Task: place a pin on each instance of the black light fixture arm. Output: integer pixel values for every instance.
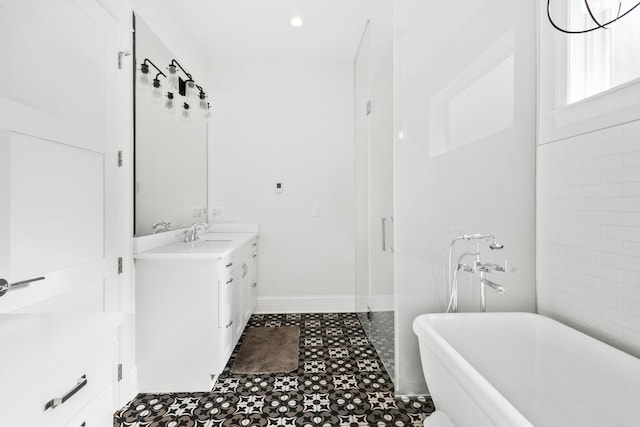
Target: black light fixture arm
(174, 62)
(146, 63)
(599, 25)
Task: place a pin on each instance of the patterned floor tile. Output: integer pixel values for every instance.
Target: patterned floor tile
(341, 382)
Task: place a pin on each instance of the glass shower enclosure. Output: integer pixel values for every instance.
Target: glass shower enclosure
(374, 291)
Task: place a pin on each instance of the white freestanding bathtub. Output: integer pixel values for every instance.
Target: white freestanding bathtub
(522, 369)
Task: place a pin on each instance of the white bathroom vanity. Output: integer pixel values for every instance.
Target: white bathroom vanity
(193, 301)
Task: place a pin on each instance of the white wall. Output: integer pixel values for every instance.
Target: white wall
(159, 16)
(589, 233)
(288, 122)
(484, 186)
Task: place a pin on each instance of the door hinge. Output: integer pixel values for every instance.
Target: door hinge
(120, 157)
(368, 107)
(120, 265)
(121, 55)
(119, 372)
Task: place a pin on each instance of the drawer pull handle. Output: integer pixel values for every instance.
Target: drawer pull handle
(229, 281)
(57, 401)
(229, 324)
(5, 286)
(229, 265)
(255, 284)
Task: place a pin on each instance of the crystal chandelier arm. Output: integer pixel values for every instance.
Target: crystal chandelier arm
(598, 24)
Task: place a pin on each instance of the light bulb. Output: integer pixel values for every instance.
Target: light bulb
(190, 89)
(173, 77)
(296, 21)
(143, 79)
(156, 90)
(186, 115)
(169, 103)
(204, 105)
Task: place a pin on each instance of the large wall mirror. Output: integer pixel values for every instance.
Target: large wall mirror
(171, 119)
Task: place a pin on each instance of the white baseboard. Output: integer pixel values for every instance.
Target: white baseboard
(307, 304)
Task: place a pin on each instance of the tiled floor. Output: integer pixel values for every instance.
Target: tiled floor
(381, 331)
(340, 381)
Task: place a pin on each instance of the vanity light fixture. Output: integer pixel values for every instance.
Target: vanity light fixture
(296, 21)
(202, 96)
(183, 86)
(185, 112)
(169, 103)
(173, 76)
(190, 89)
(144, 80)
(156, 90)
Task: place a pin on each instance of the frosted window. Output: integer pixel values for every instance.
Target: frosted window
(602, 59)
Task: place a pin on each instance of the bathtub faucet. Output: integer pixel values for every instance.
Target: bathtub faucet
(498, 288)
(477, 267)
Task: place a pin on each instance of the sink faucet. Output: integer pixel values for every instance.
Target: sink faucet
(191, 235)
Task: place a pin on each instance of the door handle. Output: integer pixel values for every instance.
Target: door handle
(386, 248)
(82, 381)
(5, 286)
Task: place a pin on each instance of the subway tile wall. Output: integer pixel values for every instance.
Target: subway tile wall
(588, 234)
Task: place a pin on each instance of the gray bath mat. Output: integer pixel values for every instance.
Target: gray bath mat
(268, 351)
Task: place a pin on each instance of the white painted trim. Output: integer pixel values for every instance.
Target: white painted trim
(307, 304)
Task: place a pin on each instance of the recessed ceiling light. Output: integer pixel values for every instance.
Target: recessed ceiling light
(296, 21)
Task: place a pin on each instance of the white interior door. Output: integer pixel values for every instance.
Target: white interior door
(57, 181)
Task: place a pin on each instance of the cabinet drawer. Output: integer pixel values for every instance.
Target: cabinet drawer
(98, 413)
(27, 407)
(234, 260)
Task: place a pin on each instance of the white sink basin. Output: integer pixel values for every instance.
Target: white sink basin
(211, 237)
(210, 243)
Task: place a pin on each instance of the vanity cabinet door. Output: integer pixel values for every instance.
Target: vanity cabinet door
(238, 324)
(249, 286)
(225, 302)
(225, 319)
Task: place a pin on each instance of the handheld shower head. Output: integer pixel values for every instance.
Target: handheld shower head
(494, 243)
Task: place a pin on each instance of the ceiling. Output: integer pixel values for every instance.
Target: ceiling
(260, 28)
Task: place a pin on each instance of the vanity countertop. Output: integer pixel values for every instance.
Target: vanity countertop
(213, 245)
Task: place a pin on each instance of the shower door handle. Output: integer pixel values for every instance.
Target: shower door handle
(386, 248)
